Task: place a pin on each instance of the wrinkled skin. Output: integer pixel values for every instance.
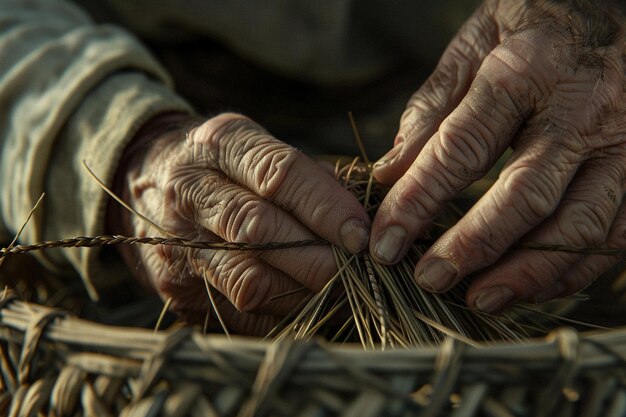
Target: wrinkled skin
(548, 80)
(540, 78)
(230, 180)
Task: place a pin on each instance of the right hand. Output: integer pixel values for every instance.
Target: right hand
(230, 180)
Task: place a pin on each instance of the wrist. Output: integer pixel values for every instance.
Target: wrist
(146, 145)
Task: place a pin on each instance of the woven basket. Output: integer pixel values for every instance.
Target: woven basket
(53, 364)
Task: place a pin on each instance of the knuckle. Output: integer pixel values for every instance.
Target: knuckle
(416, 200)
(247, 147)
(217, 139)
(235, 139)
(586, 224)
(223, 126)
(232, 140)
(243, 217)
(464, 151)
(482, 251)
(239, 277)
(252, 222)
(518, 66)
(324, 207)
(270, 165)
(184, 193)
(249, 289)
(534, 194)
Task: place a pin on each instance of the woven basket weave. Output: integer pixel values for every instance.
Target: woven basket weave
(53, 364)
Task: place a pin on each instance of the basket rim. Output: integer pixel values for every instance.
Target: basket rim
(20, 319)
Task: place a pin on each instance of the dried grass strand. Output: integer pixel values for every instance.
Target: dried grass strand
(19, 232)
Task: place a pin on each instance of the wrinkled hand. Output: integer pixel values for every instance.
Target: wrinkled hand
(229, 180)
(546, 78)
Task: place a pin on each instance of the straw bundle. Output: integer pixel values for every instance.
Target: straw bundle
(52, 363)
(387, 308)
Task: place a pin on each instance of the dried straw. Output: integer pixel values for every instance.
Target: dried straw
(386, 306)
(54, 364)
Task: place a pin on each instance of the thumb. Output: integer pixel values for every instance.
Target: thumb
(440, 94)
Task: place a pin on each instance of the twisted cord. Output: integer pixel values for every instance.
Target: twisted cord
(105, 240)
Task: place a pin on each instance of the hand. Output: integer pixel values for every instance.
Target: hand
(546, 78)
(229, 180)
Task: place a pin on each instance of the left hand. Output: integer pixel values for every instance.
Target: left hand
(548, 79)
(228, 179)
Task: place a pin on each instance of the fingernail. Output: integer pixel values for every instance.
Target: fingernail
(354, 235)
(554, 291)
(390, 243)
(437, 275)
(389, 156)
(494, 299)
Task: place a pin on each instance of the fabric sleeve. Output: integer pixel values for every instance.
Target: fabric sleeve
(70, 91)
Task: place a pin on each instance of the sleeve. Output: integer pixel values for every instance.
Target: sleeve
(70, 91)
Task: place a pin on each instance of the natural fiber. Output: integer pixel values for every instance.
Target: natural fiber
(107, 240)
(52, 363)
(55, 364)
(386, 308)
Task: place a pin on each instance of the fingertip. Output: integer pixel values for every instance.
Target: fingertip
(493, 299)
(390, 245)
(437, 275)
(385, 170)
(354, 235)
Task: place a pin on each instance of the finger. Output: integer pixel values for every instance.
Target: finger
(249, 284)
(236, 214)
(528, 191)
(247, 154)
(176, 278)
(439, 95)
(583, 219)
(467, 144)
(180, 273)
(583, 273)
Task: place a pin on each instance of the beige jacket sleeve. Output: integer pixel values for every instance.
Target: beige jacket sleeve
(70, 91)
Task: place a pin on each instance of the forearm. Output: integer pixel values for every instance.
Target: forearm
(76, 91)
